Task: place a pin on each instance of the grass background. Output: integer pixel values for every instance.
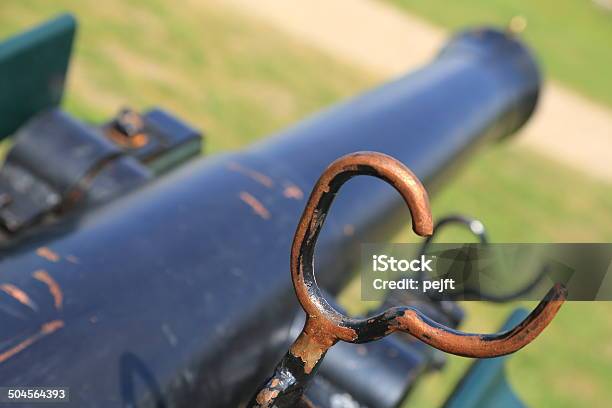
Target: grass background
(571, 37)
(239, 80)
(540, 202)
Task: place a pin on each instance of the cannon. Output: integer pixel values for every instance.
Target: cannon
(134, 274)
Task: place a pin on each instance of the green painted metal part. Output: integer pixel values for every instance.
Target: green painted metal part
(485, 384)
(33, 67)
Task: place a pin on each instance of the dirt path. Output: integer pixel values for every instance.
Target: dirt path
(378, 38)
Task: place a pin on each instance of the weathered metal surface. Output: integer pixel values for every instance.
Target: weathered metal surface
(156, 138)
(358, 370)
(51, 157)
(345, 375)
(178, 294)
(325, 325)
(58, 163)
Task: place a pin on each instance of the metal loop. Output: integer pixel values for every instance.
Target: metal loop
(325, 325)
(478, 229)
(302, 252)
(475, 226)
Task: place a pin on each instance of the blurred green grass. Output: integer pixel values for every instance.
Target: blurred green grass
(571, 37)
(236, 80)
(240, 80)
(540, 201)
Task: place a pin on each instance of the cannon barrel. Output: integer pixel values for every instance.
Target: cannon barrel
(180, 293)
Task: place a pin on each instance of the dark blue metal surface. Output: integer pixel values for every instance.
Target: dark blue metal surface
(181, 293)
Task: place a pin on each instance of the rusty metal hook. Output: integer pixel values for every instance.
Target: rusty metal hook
(325, 326)
(477, 228)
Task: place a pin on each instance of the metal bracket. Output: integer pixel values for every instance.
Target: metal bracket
(33, 67)
(58, 163)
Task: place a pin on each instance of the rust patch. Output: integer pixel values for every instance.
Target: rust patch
(361, 350)
(133, 142)
(253, 174)
(348, 230)
(292, 191)
(314, 341)
(484, 345)
(19, 295)
(308, 351)
(45, 330)
(51, 326)
(255, 204)
(54, 287)
(72, 259)
(266, 396)
(48, 254)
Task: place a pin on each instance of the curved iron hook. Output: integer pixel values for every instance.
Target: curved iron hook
(475, 226)
(325, 326)
(477, 229)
